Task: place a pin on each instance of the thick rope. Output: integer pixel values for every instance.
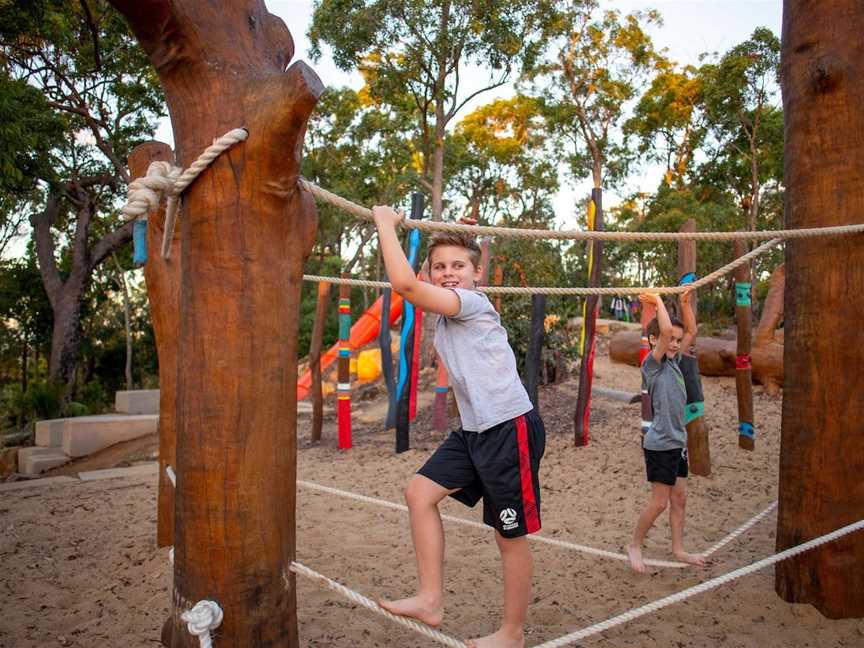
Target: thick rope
(365, 213)
(165, 179)
(749, 524)
(477, 525)
(359, 599)
(573, 637)
(202, 619)
(632, 290)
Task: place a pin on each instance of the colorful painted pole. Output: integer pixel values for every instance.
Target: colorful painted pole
(582, 415)
(139, 242)
(315, 360)
(387, 360)
(698, 448)
(343, 384)
(406, 341)
(743, 366)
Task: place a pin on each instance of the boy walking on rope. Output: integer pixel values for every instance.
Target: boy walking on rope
(496, 454)
(665, 442)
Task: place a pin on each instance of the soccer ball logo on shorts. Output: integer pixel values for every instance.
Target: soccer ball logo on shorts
(508, 519)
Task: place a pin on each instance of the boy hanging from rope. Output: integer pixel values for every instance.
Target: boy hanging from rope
(665, 442)
(496, 454)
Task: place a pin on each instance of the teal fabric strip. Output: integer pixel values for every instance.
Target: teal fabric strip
(742, 293)
(692, 411)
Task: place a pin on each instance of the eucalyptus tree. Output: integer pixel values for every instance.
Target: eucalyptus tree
(80, 74)
(417, 54)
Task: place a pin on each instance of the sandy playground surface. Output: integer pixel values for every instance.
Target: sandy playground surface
(81, 567)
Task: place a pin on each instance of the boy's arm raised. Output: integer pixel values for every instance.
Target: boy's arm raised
(423, 295)
(665, 324)
(688, 317)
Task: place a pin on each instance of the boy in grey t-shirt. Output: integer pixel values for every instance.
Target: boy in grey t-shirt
(495, 456)
(665, 442)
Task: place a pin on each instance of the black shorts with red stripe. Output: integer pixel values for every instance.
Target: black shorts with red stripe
(500, 465)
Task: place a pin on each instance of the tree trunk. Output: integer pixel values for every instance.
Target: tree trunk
(66, 334)
(822, 449)
(246, 230)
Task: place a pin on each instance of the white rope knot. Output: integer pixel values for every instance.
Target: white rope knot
(163, 178)
(144, 194)
(201, 619)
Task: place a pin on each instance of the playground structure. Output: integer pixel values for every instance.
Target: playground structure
(247, 229)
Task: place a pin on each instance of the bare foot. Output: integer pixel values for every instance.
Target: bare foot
(690, 559)
(636, 562)
(498, 640)
(416, 608)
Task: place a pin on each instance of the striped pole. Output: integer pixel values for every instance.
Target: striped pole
(440, 419)
(387, 358)
(582, 416)
(743, 368)
(343, 385)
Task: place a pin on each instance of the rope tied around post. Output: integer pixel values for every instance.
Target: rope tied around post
(202, 619)
(165, 179)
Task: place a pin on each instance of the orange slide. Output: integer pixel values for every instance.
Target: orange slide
(363, 331)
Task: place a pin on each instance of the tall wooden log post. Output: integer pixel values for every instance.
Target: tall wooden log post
(581, 417)
(163, 292)
(315, 360)
(698, 448)
(406, 341)
(743, 361)
(246, 230)
(822, 448)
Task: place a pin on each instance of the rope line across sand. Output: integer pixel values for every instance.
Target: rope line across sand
(596, 628)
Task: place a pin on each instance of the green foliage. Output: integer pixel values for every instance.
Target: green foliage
(42, 400)
(600, 60)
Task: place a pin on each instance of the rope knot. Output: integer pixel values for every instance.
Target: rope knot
(204, 617)
(144, 194)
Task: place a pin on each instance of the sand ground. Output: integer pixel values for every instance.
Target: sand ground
(81, 567)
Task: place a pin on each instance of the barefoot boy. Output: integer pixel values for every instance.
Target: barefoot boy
(665, 442)
(495, 456)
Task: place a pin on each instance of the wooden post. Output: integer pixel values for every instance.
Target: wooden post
(581, 417)
(406, 344)
(535, 348)
(698, 449)
(315, 360)
(163, 293)
(743, 363)
(343, 380)
(246, 230)
(498, 279)
(822, 445)
(387, 358)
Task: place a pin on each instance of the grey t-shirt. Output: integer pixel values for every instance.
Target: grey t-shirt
(665, 385)
(480, 363)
